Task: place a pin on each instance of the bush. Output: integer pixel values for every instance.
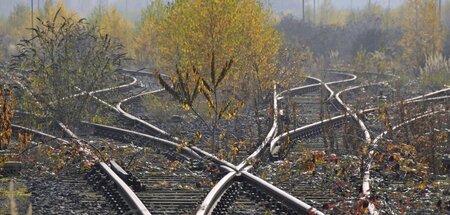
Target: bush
(64, 57)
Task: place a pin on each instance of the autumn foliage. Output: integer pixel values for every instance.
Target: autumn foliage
(7, 104)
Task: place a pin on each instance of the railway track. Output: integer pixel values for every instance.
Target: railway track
(246, 205)
(248, 164)
(302, 189)
(167, 189)
(314, 130)
(278, 205)
(123, 199)
(66, 193)
(237, 191)
(184, 124)
(312, 126)
(120, 195)
(367, 127)
(375, 182)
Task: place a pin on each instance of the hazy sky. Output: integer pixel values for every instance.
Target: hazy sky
(284, 4)
(133, 7)
(295, 6)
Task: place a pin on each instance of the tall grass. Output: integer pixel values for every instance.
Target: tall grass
(436, 71)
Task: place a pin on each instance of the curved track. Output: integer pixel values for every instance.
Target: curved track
(214, 198)
(237, 190)
(285, 201)
(431, 98)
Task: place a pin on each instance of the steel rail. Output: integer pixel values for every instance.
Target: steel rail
(138, 72)
(83, 92)
(160, 132)
(366, 177)
(199, 153)
(339, 82)
(231, 173)
(353, 77)
(315, 125)
(423, 115)
(29, 92)
(330, 120)
(149, 140)
(219, 189)
(116, 87)
(39, 134)
(65, 129)
(307, 130)
(155, 129)
(284, 199)
(215, 194)
(369, 141)
(281, 195)
(110, 89)
(445, 91)
(270, 135)
(165, 134)
(246, 165)
(192, 152)
(135, 204)
(162, 143)
(302, 89)
(128, 195)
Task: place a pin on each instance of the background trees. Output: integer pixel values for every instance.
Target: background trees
(145, 49)
(3, 43)
(18, 21)
(364, 31)
(13, 28)
(112, 23)
(422, 34)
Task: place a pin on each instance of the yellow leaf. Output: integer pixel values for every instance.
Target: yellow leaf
(396, 156)
(235, 150)
(421, 186)
(186, 106)
(365, 149)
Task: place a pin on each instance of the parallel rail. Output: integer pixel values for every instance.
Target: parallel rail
(214, 196)
(211, 200)
(292, 204)
(154, 130)
(283, 201)
(435, 96)
(217, 192)
(314, 128)
(272, 133)
(289, 203)
(38, 134)
(126, 201)
(114, 188)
